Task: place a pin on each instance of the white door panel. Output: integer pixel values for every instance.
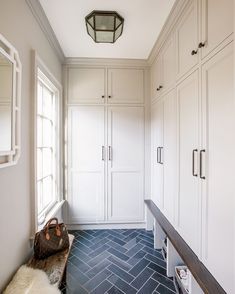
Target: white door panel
(219, 189)
(188, 199)
(86, 166)
(126, 163)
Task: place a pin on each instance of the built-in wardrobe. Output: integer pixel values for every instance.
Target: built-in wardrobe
(106, 111)
(192, 131)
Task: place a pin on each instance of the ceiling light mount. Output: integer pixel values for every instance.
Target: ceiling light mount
(104, 26)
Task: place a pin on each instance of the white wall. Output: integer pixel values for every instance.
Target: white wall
(18, 25)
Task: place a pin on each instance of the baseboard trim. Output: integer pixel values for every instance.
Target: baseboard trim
(107, 226)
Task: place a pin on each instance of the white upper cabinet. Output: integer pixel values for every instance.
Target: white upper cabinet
(86, 85)
(218, 167)
(187, 37)
(125, 85)
(168, 64)
(156, 77)
(217, 23)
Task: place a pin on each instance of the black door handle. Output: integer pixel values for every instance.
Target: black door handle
(161, 162)
(201, 176)
(193, 161)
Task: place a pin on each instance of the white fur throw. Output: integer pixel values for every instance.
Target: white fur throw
(30, 281)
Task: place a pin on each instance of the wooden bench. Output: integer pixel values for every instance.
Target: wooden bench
(201, 274)
(54, 266)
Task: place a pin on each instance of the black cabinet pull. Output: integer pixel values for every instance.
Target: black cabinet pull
(160, 87)
(158, 155)
(201, 45)
(193, 161)
(110, 96)
(201, 176)
(194, 52)
(160, 161)
(103, 96)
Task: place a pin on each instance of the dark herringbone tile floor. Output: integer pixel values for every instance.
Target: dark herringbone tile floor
(116, 261)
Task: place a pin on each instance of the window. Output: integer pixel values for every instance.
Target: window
(47, 146)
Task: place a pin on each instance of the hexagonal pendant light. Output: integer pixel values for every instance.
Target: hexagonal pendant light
(104, 26)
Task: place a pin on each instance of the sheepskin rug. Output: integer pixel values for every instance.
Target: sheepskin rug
(30, 281)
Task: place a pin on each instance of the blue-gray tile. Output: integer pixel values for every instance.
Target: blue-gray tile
(120, 273)
(118, 254)
(136, 258)
(117, 246)
(157, 268)
(156, 260)
(83, 267)
(102, 288)
(163, 290)
(142, 278)
(139, 267)
(148, 287)
(98, 268)
(122, 285)
(122, 264)
(114, 290)
(164, 280)
(99, 278)
(134, 250)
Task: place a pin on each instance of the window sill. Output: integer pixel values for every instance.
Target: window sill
(50, 215)
(55, 209)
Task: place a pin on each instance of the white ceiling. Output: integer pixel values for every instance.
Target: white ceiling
(144, 20)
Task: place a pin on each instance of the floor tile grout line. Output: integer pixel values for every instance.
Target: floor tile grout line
(155, 263)
(164, 277)
(147, 282)
(124, 271)
(142, 272)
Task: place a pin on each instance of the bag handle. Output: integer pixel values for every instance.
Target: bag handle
(57, 228)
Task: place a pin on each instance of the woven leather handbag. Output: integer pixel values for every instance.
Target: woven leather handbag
(51, 239)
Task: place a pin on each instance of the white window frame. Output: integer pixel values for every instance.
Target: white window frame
(42, 73)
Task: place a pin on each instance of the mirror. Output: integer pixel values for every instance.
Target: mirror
(6, 99)
(10, 98)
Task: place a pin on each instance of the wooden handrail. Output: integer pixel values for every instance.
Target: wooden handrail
(201, 274)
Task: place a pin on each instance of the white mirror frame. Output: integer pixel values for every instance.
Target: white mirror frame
(11, 157)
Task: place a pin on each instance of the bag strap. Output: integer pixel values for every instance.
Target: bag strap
(47, 225)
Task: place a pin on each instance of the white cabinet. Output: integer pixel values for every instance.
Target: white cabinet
(86, 165)
(125, 85)
(217, 23)
(125, 163)
(105, 164)
(218, 163)
(168, 64)
(169, 155)
(164, 154)
(187, 37)
(188, 146)
(156, 77)
(163, 72)
(86, 85)
(156, 146)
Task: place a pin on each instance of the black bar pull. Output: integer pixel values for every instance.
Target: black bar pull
(201, 45)
(194, 52)
(161, 162)
(193, 162)
(201, 176)
(158, 154)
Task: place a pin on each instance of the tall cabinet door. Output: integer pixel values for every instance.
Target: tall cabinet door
(157, 145)
(126, 163)
(86, 141)
(169, 155)
(219, 158)
(188, 140)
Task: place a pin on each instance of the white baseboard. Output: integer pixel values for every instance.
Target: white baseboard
(107, 226)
